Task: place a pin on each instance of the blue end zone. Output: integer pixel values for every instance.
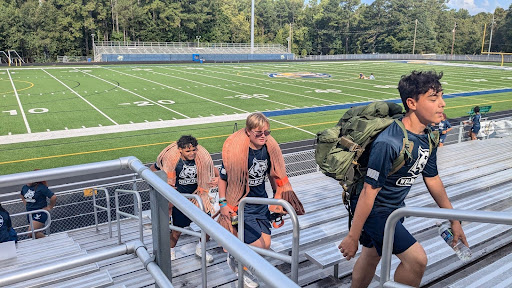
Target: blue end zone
(349, 105)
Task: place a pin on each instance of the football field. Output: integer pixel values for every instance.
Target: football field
(38, 101)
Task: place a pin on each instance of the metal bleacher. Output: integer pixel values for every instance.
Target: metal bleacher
(116, 47)
(477, 176)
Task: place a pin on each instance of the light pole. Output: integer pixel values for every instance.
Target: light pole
(252, 27)
(198, 37)
(414, 41)
(453, 38)
(93, 52)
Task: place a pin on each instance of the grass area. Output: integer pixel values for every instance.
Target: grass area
(72, 98)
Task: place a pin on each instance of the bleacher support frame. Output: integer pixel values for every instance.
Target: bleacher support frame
(389, 230)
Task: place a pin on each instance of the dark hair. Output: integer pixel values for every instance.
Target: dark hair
(418, 82)
(476, 109)
(186, 140)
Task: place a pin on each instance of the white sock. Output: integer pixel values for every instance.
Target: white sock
(198, 245)
(172, 250)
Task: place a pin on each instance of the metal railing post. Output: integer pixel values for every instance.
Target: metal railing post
(442, 213)
(107, 209)
(31, 224)
(119, 212)
(294, 259)
(461, 131)
(160, 228)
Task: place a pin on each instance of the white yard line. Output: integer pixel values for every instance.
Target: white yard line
(182, 91)
(19, 103)
(124, 89)
(74, 92)
(262, 87)
(301, 86)
(289, 125)
(41, 136)
(217, 87)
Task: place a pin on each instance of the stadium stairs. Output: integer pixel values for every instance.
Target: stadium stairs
(477, 176)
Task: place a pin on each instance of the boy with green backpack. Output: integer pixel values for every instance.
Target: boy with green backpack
(399, 154)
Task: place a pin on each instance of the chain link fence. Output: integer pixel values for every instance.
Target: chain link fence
(74, 209)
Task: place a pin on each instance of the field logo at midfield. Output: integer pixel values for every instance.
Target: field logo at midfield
(299, 75)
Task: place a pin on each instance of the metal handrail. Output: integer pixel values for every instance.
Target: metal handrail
(294, 258)
(389, 230)
(107, 209)
(32, 231)
(119, 212)
(201, 235)
(263, 269)
(57, 266)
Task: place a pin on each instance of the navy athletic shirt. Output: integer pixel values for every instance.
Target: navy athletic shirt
(384, 150)
(36, 195)
(186, 176)
(259, 166)
(5, 226)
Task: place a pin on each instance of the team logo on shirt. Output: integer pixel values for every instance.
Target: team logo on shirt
(257, 172)
(420, 163)
(188, 175)
(416, 169)
(1, 221)
(29, 196)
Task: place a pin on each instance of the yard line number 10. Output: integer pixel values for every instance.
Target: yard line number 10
(33, 111)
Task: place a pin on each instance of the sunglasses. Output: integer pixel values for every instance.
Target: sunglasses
(258, 134)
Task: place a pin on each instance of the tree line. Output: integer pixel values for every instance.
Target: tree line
(41, 30)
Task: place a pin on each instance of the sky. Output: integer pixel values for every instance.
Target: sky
(473, 6)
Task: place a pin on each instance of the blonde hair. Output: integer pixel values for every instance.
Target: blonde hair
(256, 120)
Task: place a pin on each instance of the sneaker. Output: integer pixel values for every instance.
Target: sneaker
(232, 263)
(173, 254)
(250, 281)
(209, 257)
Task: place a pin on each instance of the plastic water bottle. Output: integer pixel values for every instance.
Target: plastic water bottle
(461, 250)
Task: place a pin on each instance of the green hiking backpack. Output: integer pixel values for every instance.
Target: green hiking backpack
(340, 150)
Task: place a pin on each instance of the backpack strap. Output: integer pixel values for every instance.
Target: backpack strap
(405, 153)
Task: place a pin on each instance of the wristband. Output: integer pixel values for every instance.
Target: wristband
(223, 204)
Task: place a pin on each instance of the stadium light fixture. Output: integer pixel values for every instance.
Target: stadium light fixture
(198, 37)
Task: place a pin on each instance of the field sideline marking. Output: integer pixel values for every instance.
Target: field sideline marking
(74, 92)
(145, 145)
(199, 138)
(156, 103)
(19, 103)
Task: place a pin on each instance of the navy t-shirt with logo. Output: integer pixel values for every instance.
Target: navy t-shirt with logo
(259, 166)
(186, 175)
(35, 196)
(384, 150)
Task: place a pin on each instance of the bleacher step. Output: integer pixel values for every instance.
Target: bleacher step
(57, 277)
